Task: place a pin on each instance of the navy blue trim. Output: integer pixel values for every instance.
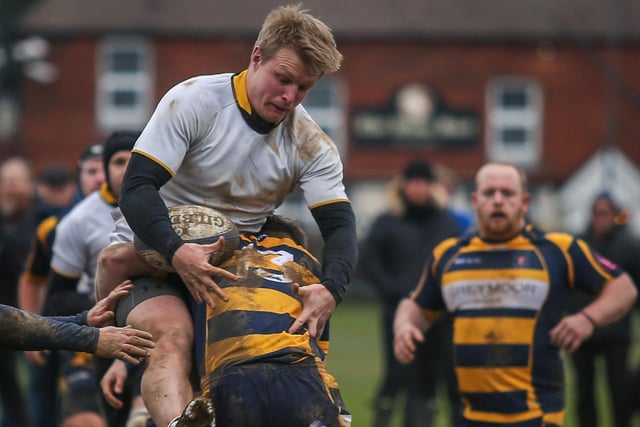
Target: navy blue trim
(498, 312)
(239, 323)
(496, 260)
(511, 402)
(491, 355)
(537, 422)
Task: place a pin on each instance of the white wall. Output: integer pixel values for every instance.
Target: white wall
(609, 170)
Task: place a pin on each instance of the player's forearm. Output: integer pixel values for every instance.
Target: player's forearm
(143, 207)
(338, 228)
(78, 319)
(26, 331)
(408, 312)
(615, 300)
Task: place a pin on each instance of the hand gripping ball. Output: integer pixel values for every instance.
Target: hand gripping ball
(195, 224)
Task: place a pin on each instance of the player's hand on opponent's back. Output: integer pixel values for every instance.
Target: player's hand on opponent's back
(317, 306)
(191, 261)
(103, 312)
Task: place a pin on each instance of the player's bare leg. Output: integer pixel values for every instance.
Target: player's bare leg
(166, 388)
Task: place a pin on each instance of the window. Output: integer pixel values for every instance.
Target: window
(9, 113)
(125, 82)
(514, 121)
(325, 103)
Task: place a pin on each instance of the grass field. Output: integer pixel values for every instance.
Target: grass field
(355, 361)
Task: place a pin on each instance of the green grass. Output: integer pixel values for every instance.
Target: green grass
(355, 357)
(355, 360)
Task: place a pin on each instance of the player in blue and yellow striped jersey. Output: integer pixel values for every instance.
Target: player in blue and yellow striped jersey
(506, 286)
(258, 372)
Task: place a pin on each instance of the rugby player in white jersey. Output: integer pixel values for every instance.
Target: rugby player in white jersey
(80, 236)
(239, 143)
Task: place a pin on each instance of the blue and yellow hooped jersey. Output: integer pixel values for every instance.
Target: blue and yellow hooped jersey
(252, 326)
(37, 268)
(505, 297)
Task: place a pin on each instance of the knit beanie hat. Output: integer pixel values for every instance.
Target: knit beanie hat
(420, 170)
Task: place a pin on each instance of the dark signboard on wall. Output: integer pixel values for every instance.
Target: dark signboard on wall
(415, 117)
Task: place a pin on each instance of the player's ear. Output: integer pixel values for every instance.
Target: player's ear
(256, 56)
(526, 199)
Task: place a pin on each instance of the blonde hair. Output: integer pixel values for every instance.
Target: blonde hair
(291, 26)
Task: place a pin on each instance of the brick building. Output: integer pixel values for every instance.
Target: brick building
(549, 84)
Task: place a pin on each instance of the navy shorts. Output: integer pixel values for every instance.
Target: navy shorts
(538, 422)
(277, 395)
(145, 288)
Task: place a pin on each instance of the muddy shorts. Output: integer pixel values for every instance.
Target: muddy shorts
(278, 394)
(146, 288)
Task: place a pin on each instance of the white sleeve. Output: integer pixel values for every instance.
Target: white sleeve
(69, 256)
(174, 124)
(321, 179)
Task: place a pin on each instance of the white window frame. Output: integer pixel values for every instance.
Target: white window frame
(527, 119)
(332, 117)
(110, 116)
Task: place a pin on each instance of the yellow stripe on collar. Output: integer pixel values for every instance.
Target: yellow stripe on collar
(108, 195)
(240, 89)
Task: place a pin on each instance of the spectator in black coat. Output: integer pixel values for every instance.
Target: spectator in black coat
(392, 258)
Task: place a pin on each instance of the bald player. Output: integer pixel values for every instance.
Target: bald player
(506, 287)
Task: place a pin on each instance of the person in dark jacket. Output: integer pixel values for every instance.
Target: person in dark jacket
(610, 236)
(392, 257)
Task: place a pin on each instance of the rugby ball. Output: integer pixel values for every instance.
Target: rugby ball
(195, 224)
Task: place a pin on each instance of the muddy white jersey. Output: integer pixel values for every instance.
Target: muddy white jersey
(200, 136)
